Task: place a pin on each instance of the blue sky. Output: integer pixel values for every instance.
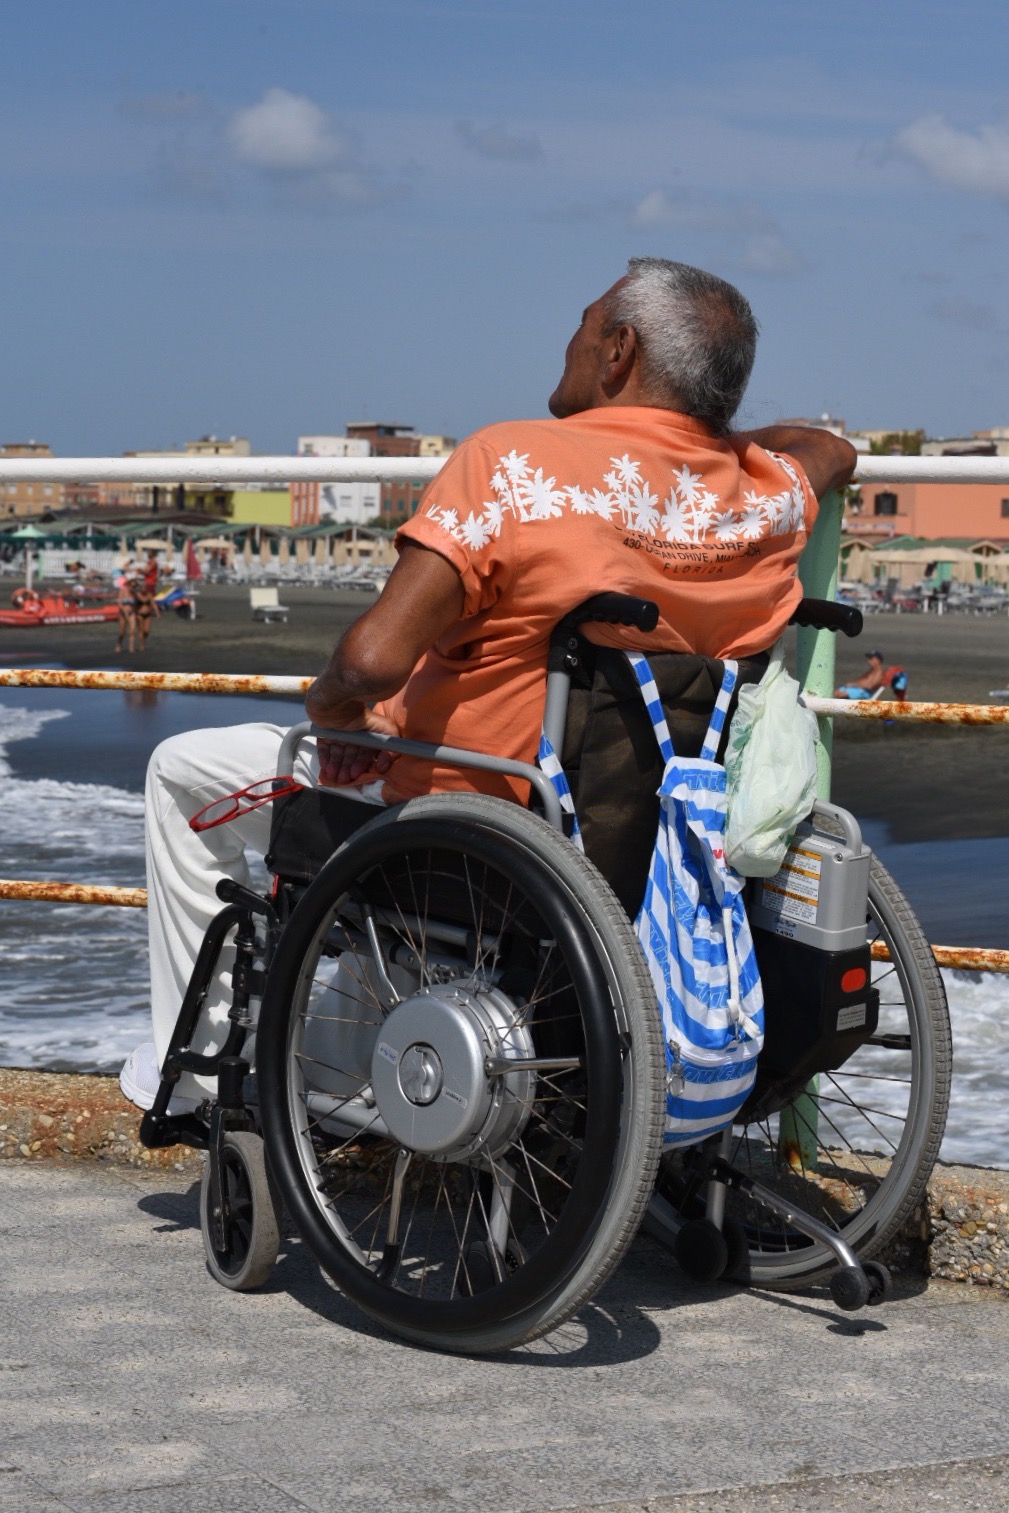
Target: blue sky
(271, 217)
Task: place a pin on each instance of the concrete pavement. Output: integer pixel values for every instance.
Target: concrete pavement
(130, 1381)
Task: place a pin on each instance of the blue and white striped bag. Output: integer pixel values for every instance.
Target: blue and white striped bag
(695, 935)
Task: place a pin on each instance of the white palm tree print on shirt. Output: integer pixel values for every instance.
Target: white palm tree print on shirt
(690, 514)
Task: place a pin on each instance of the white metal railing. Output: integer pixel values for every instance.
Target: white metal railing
(224, 470)
(932, 470)
(218, 471)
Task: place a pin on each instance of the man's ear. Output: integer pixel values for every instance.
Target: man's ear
(620, 354)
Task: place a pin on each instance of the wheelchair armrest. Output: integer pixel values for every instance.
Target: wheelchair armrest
(450, 756)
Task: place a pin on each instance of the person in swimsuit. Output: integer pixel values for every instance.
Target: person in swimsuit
(865, 686)
(125, 628)
(136, 613)
(144, 610)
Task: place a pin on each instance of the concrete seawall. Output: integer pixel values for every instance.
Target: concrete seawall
(961, 1234)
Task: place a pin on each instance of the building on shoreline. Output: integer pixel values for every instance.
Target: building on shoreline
(347, 502)
(933, 511)
(27, 498)
(358, 502)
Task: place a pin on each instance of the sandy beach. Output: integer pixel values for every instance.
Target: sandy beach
(927, 783)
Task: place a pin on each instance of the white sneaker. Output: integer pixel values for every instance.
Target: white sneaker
(140, 1079)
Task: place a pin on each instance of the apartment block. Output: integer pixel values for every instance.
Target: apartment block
(346, 502)
(28, 498)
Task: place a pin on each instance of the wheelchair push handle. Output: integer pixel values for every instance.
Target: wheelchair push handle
(827, 614)
(606, 609)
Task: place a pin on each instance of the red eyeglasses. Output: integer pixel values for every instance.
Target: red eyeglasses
(243, 802)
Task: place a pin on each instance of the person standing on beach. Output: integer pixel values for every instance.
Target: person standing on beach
(637, 485)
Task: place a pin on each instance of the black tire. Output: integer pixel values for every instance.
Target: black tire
(880, 1283)
(881, 1121)
(489, 923)
(252, 1233)
(850, 1289)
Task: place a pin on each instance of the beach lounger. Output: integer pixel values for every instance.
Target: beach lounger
(265, 605)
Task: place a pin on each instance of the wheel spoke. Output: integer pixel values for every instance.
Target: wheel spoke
(864, 1138)
(454, 935)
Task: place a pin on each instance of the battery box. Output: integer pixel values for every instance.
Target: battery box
(809, 934)
(819, 1007)
(820, 893)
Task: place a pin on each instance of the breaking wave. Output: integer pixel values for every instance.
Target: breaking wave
(73, 988)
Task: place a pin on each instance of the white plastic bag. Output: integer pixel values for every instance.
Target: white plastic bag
(770, 770)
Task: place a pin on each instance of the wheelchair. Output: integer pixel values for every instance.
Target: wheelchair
(445, 1062)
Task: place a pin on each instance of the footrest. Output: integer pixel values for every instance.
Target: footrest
(160, 1130)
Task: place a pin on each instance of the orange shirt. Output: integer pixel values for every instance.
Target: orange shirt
(538, 515)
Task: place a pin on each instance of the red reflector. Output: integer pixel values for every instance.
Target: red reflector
(853, 979)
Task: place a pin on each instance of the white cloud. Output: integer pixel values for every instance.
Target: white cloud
(690, 210)
(309, 159)
(287, 134)
(975, 161)
(770, 254)
(755, 242)
(496, 142)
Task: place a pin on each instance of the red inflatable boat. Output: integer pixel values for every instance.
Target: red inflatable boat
(53, 608)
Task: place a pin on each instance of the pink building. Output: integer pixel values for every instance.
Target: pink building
(971, 511)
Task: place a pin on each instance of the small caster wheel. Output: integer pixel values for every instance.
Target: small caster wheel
(849, 1287)
(880, 1283)
(252, 1230)
(701, 1250)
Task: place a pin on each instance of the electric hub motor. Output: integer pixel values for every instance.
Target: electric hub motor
(434, 1076)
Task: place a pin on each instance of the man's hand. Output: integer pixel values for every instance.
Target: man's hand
(422, 599)
(828, 461)
(341, 764)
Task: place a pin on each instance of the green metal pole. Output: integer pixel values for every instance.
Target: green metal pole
(816, 663)
(797, 1125)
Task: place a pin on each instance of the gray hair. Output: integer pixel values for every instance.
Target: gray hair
(697, 336)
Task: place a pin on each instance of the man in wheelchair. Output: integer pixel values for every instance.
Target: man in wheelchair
(460, 1070)
(637, 485)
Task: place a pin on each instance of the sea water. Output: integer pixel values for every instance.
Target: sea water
(73, 982)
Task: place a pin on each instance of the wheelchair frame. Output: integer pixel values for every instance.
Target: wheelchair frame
(708, 1243)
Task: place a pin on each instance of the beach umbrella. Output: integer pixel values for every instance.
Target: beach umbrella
(857, 562)
(321, 551)
(193, 569)
(301, 551)
(908, 564)
(265, 554)
(29, 534)
(284, 554)
(247, 551)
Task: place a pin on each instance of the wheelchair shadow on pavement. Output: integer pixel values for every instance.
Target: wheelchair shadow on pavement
(610, 1330)
(178, 1210)
(624, 1322)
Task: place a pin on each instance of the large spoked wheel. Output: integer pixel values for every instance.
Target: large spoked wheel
(859, 1153)
(242, 1250)
(461, 1070)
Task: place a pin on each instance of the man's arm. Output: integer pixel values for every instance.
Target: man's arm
(828, 461)
(422, 599)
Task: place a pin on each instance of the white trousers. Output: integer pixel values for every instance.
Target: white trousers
(183, 867)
